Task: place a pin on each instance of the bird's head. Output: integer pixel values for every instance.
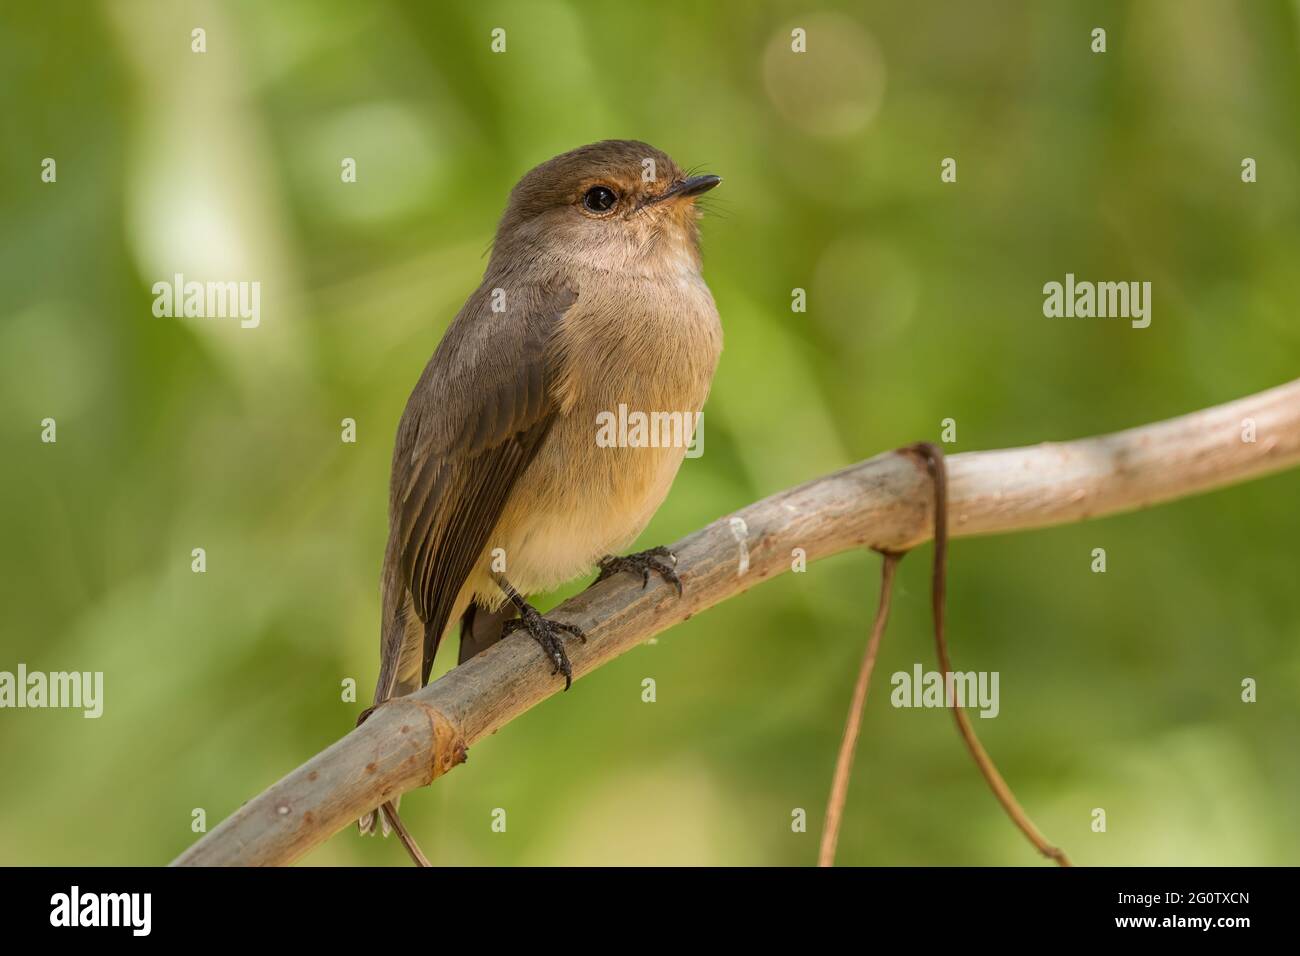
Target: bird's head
(617, 205)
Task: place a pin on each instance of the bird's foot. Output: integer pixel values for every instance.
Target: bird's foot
(549, 634)
(659, 560)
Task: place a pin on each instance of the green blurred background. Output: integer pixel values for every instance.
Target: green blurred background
(1119, 690)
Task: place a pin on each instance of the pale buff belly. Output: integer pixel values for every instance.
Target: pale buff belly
(576, 503)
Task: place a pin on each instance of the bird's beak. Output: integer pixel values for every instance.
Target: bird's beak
(695, 186)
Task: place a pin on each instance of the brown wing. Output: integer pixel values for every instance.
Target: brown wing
(474, 422)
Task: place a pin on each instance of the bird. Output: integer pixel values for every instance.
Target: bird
(593, 300)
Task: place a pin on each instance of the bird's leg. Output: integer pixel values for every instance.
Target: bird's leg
(547, 633)
(659, 560)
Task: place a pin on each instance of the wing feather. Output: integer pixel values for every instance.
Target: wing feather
(474, 422)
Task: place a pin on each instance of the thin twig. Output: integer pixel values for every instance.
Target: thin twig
(844, 762)
(408, 841)
(934, 459)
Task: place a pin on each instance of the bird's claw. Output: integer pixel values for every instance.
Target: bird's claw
(659, 560)
(548, 633)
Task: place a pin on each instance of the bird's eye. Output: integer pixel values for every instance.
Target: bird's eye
(599, 199)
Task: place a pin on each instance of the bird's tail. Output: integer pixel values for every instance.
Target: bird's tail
(400, 650)
(375, 821)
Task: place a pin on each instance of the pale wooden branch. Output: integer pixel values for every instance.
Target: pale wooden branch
(883, 503)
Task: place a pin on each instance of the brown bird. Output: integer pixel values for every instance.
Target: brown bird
(500, 489)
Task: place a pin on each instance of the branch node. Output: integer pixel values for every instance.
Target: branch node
(449, 747)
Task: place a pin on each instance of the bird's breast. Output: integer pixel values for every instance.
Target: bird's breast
(648, 343)
(636, 363)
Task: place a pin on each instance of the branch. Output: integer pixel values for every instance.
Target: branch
(883, 503)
